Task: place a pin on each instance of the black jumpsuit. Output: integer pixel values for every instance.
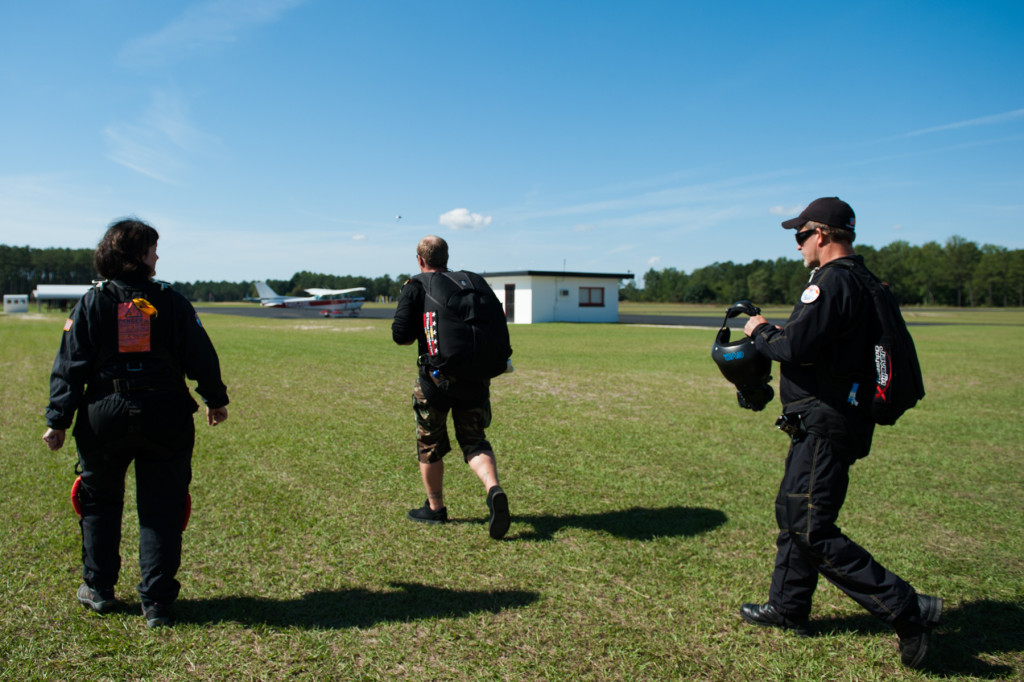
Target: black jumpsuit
(123, 372)
(821, 351)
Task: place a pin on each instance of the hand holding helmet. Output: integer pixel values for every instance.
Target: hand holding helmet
(742, 364)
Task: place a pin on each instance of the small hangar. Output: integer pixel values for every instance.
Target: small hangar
(531, 296)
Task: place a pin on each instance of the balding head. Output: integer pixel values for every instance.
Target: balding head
(434, 252)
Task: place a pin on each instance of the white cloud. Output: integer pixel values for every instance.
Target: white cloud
(654, 260)
(462, 219)
(207, 24)
(359, 237)
(787, 211)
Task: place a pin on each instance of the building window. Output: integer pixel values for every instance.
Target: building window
(592, 297)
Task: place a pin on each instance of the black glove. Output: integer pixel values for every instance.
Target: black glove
(755, 397)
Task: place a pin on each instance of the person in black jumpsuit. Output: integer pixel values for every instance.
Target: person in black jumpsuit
(124, 355)
(821, 351)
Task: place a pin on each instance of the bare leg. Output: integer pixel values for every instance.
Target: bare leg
(497, 502)
(433, 480)
(485, 469)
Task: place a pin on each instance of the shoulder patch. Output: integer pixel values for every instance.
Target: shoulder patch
(67, 325)
(810, 294)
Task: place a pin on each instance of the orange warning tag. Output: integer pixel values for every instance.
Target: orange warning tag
(133, 331)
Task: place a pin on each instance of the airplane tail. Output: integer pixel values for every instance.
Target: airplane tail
(264, 291)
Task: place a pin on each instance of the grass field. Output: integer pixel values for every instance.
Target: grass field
(642, 501)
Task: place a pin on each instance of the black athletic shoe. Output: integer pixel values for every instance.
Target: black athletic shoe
(157, 615)
(765, 614)
(427, 515)
(916, 637)
(497, 502)
(98, 602)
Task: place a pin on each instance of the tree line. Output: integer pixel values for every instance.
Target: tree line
(376, 287)
(23, 268)
(958, 273)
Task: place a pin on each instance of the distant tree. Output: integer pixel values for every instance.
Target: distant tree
(869, 254)
(16, 274)
(698, 292)
(893, 264)
(991, 276)
(927, 276)
(961, 257)
(790, 279)
(759, 283)
(1015, 277)
(630, 292)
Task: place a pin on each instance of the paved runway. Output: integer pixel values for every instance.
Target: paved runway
(696, 320)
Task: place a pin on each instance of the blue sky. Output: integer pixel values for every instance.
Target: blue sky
(265, 137)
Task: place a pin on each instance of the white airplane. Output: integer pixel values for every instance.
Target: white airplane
(328, 302)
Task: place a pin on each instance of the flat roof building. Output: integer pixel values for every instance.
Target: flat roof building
(531, 296)
(59, 294)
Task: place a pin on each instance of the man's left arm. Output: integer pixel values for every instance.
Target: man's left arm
(405, 328)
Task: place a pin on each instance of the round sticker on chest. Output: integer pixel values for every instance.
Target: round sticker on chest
(810, 294)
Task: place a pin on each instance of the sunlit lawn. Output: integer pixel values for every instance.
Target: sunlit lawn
(642, 501)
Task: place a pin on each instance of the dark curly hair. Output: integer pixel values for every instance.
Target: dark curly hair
(120, 253)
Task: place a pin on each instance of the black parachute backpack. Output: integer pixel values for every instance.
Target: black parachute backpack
(897, 384)
(465, 326)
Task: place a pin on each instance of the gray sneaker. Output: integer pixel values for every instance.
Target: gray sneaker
(497, 503)
(916, 637)
(157, 615)
(97, 601)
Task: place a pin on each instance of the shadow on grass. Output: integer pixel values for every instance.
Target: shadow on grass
(637, 523)
(351, 608)
(968, 632)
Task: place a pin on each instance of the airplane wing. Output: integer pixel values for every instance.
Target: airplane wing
(333, 292)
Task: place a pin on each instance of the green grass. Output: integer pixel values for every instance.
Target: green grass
(642, 517)
(913, 314)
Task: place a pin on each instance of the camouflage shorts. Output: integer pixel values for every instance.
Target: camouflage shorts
(470, 406)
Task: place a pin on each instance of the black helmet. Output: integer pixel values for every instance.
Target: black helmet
(742, 364)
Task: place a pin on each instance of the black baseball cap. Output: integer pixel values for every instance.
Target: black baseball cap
(831, 211)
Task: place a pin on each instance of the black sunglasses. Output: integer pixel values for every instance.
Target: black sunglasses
(801, 237)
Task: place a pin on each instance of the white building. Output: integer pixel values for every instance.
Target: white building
(539, 296)
(15, 303)
(61, 295)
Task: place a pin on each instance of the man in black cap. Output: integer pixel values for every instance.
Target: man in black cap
(821, 351)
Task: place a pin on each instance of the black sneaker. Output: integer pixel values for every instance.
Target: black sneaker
(916, 637)
(100, 602)
(497, 502)
(157, 615)
(765, 614)
(427, 515)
